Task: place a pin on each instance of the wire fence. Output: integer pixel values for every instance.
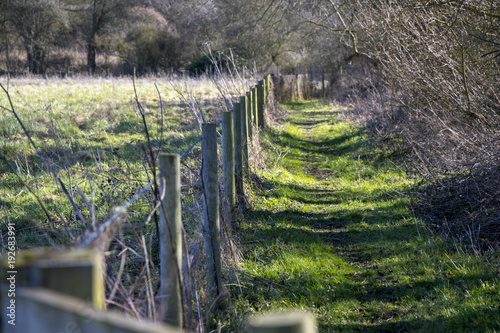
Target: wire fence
(248, 113)
(133, 272)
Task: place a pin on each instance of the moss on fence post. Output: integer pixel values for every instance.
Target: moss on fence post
(76, 273)
(211, 225)
(255, 114)
(260, 103)
(238, 148)
(228, 180)
(249, 109)
(245, 127)
(170, 241)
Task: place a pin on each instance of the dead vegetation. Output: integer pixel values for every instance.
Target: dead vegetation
(427, 86)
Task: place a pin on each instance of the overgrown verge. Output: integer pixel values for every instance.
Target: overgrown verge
(102, 138)
(424, 76)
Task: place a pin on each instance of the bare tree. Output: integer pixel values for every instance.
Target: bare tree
(92, 17)
(5, 7)
(37, 22)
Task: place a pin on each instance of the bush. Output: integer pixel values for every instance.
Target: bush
(205, 63)
(151, 44)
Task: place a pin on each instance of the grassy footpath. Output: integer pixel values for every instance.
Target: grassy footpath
(332, 233)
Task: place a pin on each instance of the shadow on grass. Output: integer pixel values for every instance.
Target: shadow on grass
(374, 290)
(319, 196)
(337, 146)
(117, 181)
(470, 320)
(326, 220)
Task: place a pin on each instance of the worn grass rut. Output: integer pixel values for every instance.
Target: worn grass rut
(331, 232)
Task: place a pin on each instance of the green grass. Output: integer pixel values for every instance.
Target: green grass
(331, 232)
(91, 133)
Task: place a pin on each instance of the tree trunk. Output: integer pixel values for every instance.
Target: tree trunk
(35, 56)
(7, 59)
(91, 55)
(91, 47)
(39, 60)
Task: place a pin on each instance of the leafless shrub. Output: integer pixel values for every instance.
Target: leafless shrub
(436, 97)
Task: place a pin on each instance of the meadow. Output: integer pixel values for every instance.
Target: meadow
(92, 134)
(100, 136)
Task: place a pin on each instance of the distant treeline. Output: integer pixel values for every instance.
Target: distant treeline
(155, 36)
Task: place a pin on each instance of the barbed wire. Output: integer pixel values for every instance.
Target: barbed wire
(181, 156)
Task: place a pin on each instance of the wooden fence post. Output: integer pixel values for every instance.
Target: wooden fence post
(260, 103)
(76, 273)
(244, 133)
(211, 225)
(250, 120)
(228, 159)
(267, 89)
(255, 115)
(238, 148)
(170, 241)
(282, 323)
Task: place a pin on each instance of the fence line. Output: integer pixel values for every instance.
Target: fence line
(234, 134)
(239, 124)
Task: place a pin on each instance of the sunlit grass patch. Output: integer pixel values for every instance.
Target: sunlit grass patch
(91, 133)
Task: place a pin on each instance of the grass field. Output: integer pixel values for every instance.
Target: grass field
(92, 134)
(331, 231)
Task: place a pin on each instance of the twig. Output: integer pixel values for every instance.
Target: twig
(161, 122)
(149, 287)
(59, 181)
(37, 199)
(119, 276)
(151, 159)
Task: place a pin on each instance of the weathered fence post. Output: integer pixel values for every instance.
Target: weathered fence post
(76, 273)
(267, 89)
(170, 241)
(260, 103)
(211, 226)
(52, 293)
(244, 133)
(250, 120)
(238, 148)
(282, 323)
(228, 159)
(255, 115)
